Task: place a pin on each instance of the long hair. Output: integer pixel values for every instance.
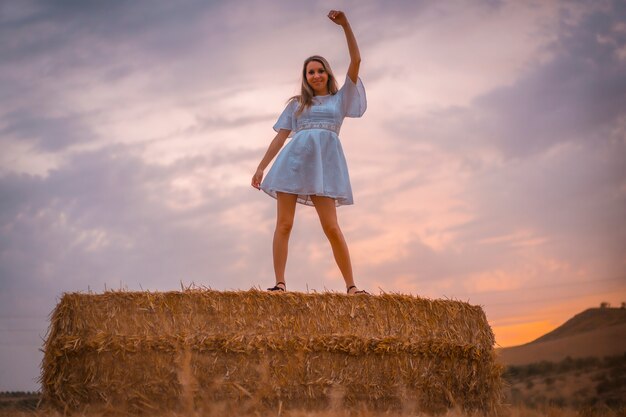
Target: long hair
(305, 98)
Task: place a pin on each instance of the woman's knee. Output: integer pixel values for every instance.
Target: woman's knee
(332, 230)
(284, 227)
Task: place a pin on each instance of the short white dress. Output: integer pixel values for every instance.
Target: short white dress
(312, 162)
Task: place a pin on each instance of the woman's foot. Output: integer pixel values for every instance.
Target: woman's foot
(353, 290)
(280, 286)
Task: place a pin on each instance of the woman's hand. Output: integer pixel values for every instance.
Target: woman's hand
(257, 178)
(338, 17)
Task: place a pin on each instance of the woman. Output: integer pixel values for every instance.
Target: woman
(312, 169)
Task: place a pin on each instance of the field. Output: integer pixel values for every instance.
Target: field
(573, 383)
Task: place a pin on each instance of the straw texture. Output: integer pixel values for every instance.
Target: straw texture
(195, 349)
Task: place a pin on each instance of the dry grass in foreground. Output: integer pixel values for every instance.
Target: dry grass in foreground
(519, 411)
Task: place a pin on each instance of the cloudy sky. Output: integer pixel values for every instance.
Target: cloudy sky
(489, 166)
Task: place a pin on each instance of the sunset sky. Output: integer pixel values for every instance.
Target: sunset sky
(489, 167)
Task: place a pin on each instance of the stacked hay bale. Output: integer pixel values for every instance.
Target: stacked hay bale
(198, 349)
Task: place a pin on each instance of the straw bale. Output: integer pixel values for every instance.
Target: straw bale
(191, 350)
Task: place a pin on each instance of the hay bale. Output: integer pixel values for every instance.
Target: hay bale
(194, 349)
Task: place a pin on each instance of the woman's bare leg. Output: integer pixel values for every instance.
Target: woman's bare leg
(327, 212)
(286, 209)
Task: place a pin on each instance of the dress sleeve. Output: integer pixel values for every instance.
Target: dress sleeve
(353, 100)
(287, 119)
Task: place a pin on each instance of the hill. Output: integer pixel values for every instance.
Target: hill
(595, 332)
(589, 320)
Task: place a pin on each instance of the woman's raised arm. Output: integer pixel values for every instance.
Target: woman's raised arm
(340, 18)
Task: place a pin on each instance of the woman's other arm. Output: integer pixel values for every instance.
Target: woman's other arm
(272, 150)
(340, 18)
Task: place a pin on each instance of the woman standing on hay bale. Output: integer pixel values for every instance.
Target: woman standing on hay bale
(312, 169)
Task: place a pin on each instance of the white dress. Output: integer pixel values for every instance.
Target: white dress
(312, 162)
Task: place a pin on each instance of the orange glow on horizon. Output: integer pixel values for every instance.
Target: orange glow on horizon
(519, 334)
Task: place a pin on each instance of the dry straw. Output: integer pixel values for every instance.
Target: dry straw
(207, 350)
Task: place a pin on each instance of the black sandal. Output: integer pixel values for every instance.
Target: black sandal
(277, 288)
(356, 292)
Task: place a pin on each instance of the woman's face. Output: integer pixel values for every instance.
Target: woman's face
(317, 77)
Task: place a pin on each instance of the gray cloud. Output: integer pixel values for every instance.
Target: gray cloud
(47, 133)
(103, 217)
(213, 123)
(580, 90)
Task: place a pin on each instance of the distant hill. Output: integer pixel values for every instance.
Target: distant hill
(594, 332)
(588, 320)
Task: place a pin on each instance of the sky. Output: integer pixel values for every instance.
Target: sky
(489, 166)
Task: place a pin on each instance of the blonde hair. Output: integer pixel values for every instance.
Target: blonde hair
(305, 98)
